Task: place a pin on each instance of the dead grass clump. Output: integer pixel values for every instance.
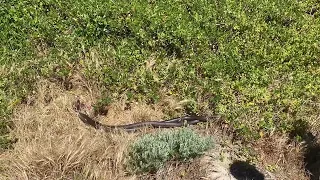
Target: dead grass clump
(138, 112)
(119, 114)
(281, 157)
(54, 144)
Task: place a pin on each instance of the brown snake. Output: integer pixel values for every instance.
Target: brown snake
(175, 122)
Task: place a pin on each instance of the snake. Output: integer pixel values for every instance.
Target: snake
(171, 123)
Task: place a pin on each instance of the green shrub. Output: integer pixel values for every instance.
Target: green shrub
(151, 152)
(255, 62)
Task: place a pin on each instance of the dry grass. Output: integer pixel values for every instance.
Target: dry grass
(284, 159)
(54, 144)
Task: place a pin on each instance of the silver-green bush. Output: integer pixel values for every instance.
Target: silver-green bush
(151, 152)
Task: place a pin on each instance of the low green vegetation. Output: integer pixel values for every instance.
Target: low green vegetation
(255, 62)
(151, 152)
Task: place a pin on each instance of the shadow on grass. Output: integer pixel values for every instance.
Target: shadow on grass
(242, 170)
(312, 148)
(312, 161)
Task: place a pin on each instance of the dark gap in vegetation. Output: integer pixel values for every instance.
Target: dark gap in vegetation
(301, 133)
(312, 158)
(102, 106)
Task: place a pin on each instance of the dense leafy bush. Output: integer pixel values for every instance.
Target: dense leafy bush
(256, 62)
(151, 152)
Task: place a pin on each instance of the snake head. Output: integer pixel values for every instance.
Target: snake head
(89, 121)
